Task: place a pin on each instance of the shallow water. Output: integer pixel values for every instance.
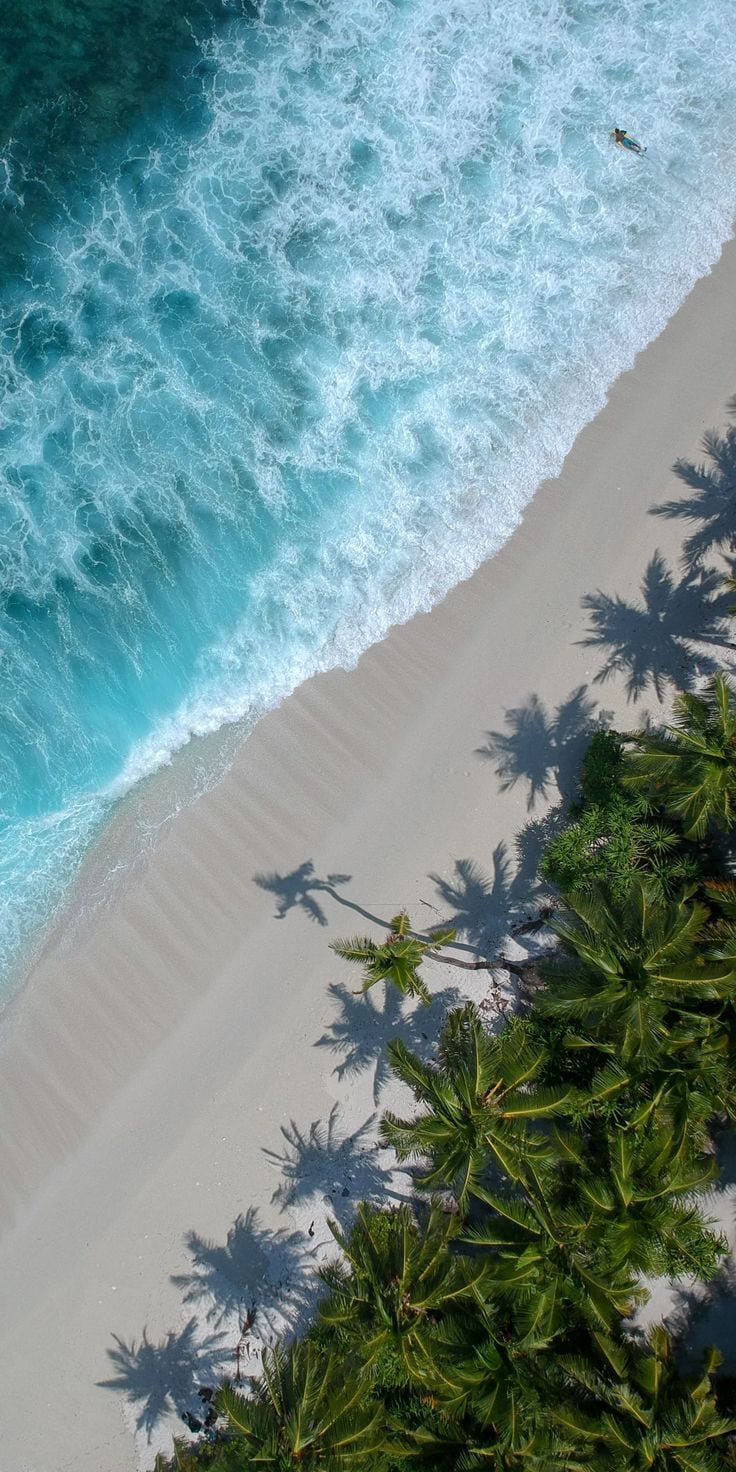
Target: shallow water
(284, 358)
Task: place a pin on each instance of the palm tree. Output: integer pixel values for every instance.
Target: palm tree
(397, 959)
(688, 1082)
(464, 1446)
(642, 967)
(569, 1246)
(547, 1264)
(638, 1190)
(691, 765)
(519, 1435)
(306, 1412)
(480, 1100)
(639, 1415)
(397, 1279)
(497, 1389)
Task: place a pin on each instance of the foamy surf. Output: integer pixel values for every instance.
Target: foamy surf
(270, 388)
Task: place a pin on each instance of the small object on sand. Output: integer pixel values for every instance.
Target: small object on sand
(310, 1233)
(192, 1422)
(537, 922)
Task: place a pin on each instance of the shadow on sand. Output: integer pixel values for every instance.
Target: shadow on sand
(162, 1379)
(484, 906)
(254, 1267)
(297, 890)
(653, 644)
(713, 500)
(323, 1165)
(365, 1024)
(249, 1290)
(267, 1275)
(543, 748)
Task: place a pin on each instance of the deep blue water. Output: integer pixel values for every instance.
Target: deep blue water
(295, 314)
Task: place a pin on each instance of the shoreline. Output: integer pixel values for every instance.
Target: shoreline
(151, 1061)
(532, 467)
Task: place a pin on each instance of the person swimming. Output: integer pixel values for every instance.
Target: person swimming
(622, 140)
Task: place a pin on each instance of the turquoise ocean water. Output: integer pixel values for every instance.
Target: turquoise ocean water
(299, 302)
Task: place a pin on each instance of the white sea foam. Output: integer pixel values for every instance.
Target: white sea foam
(283, 383)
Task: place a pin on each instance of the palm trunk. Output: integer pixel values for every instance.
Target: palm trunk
(498, 963)
(465, 965)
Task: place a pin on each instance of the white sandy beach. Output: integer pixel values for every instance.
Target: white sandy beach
(151, 1064)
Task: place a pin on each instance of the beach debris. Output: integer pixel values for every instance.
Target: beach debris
(538, 921)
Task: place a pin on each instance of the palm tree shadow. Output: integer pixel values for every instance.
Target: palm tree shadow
(298, 889)
(540, 747)
(479, 905)
(485, 909)
(161, 1379)
(713, 502)
(653, 643)
(254, 1266)
(531, 843)
(725, 1140)
(322, 1164)
(365, 1025)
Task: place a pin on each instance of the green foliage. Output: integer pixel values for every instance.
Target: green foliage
(690, 767)
(223, 1455)
(638, 966)
(637, 1189)
(395, 1280)
(616, 834)
(482, 1103)
(576, 1143)
(547, 1265)
(305, 1411)
(639, 1414)
(395, 961)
